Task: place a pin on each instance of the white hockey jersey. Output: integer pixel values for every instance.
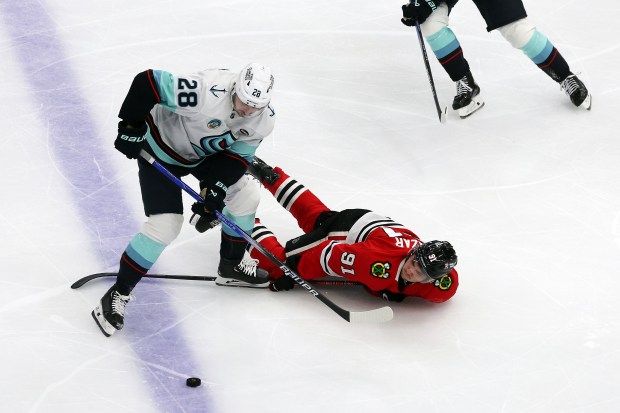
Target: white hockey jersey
(195, 118)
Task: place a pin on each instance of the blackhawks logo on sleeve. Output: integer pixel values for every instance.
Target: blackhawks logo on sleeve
(380, 269)
(444, 283)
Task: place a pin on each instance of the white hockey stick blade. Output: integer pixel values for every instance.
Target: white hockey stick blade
(443, 118)
(379, 315)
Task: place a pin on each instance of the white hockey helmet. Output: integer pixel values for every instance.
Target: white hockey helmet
(255, 85)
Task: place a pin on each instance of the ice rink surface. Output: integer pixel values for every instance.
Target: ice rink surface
(527, 190)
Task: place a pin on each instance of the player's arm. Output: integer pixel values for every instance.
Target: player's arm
(180, 94)
(142, 96)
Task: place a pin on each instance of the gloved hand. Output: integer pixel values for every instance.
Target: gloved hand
(205, 223)
(391, 296)
(130, 139)
(213, 201)
(284, 283)
(418, 10)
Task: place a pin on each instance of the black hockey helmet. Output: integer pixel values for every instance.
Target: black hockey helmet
(436, 258)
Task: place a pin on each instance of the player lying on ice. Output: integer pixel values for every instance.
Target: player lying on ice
(389, 260)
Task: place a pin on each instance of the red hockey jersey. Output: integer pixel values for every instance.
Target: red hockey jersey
(373, 252)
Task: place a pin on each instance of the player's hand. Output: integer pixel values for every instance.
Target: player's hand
(130, 139)
(204, 223)
(213, 201)
(284, 283)
(418, 10)
(391, 296)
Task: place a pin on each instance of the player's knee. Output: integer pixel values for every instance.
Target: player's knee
(518, 33)
(243, 197)
(436, 21)
(163, 228)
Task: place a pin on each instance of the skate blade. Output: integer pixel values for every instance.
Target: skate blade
(106, 328)
(476, 103)
(587, 102)
(230, 282)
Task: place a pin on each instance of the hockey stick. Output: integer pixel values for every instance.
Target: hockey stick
(91, 277)
(377, 315)
(443, 115)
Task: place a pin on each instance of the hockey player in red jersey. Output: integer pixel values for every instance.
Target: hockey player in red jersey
(357, 244)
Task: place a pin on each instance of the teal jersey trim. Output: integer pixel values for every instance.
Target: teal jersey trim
(245, 222)
(211, 145)
(243, 149)
(538, 48)
(165, 86)
(144, 250)
(161, 155)
(443, 42)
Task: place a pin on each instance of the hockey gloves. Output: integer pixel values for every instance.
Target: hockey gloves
(130, 139)
(204, 223)
(390, 296)
(285, 283)
(418, 10)
(213, 201)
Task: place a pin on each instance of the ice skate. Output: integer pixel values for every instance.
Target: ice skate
(241, 274)
(467, 99)
(577, 92)
(110, 313)
(262, 171)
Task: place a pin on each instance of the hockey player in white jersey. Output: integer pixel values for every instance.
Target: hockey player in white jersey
(207, 124)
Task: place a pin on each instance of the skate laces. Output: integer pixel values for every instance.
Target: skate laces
(119, 302)
(569, 85)
(248, 266)
(462, 87)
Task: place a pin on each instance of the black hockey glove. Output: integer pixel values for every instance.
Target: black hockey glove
(391, 296)
(283, 283)
(130, 140)
(204, 223)
(418, 10)
(213, 201)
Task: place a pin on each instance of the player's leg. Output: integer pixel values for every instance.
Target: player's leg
(234, 269)
(510, 19)
(268, 240)
(447, 48)
(305, 207)
(164, 209)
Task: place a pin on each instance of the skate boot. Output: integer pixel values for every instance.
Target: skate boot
(577, 91)
(262, 171)
(241, 274)
(110, 313)
(467, 99)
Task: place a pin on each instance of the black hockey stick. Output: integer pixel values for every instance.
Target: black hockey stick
(377, 315)
(91, 277)
(443, 115)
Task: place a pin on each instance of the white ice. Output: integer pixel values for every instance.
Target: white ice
(526, 190)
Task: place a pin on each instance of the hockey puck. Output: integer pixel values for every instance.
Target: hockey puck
(193, 382)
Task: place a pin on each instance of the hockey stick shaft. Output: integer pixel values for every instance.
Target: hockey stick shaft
(95, 276)
(442, 114)
(377, 315)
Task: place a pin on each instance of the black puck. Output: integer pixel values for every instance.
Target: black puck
(193, 382)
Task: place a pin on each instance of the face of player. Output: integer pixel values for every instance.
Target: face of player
(413, 273)
(244, 110)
